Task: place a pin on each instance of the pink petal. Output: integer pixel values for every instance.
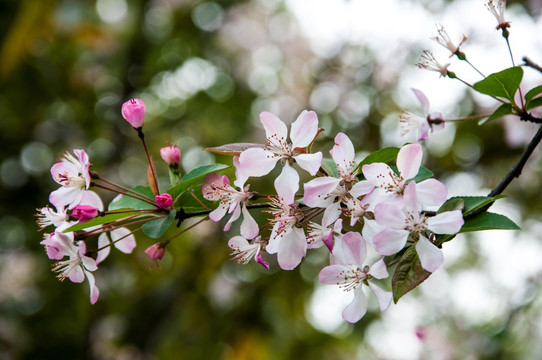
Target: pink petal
(343, 152)
(65, 196)
(331, 215)
(333, 274)
(256, 162)
(449, 222)
(431, 257)
(423, 130)
(309, 162)
(287, 184)
(317, 190)
(422, 99)
(383, 297)
(356, 249)
(261, 261)
(274, 127)
(292, 249)
(357, 308)
(378, 174)
(127, 242)
(217, 214)
(235, 216)
(409, 160)
(238, 242)
(77, 275)
(211, 181)
(304, 129)
(390, 241)
(390, 215)
(90, 198)
(370, 230)
(249, 226)
(61, 168)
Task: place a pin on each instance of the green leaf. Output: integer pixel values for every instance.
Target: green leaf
(532, 93)
(455, 203)
(193, 177)
(408, 274)
(157, 228)
(470, 203)
(534, 104)
(383, 155)
(503, 84)
(100, 220)
(329, 166)
(131, 203)
(488, 221)
(503, 110)
(423, 174)
(189, 204)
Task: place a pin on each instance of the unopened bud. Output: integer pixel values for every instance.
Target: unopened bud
(171, 155)
(165, 201)
(84, 213)
(155, 252)
(133, 111)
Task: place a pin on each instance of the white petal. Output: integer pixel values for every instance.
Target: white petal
(383, 297)
(317, 190)
(287, 184)
(274, 127)
(292, 249)
(431, 257)
(343, 153)
(357, 308)
(379, 270)
(390, 241)
(249, 226)
(449, 222)
(256, 162)
(409, 160)
(123, 240)
(103, 240)
(309, 162)
(431, 192)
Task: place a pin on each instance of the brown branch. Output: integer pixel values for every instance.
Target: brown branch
(528, 62)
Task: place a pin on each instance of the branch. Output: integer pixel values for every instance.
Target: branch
(528, 62)
(512, 174)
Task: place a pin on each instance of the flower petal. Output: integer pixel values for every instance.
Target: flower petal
(256, 162)
(304, 129)
(422, 99)
(383, 297)
(378, 174)
(449, 222)
(317, 191)
(249, 226)
(287, 184)
(123, 240)
(94, 291)
(357, 308)
(292, 249)
(390, 241)
(431, 192)
(379, 269)
(309, 162)
(333, 274)
(103, 242)
(409, 160)
(274, 127)
(431, 257)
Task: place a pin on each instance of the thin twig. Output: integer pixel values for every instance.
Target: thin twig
(528, 62)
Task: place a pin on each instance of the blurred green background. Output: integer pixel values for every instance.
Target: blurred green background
(206, 69)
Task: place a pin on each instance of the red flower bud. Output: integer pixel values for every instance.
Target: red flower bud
(133, 111)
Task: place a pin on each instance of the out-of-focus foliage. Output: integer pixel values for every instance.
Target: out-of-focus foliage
(205, 70)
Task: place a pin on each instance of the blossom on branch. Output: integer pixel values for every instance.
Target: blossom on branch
(410, 122)
(72, 172)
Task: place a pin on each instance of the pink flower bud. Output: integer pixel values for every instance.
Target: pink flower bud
(171, 155)
(84, 213)
(155, 252)
(133, 111)
(164, 201)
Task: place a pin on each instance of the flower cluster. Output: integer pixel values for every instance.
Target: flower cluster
(384, 208)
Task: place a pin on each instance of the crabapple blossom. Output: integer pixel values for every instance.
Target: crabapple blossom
(348, 271)
(428, 62)
(217, 188)
(171, 155)
(431, 192)
(260, 161)
(47, 216)
(444, 39)
(431, 121)
(400, 223)
(72, 172)
(133, 111)
(497, 10)
(78, 266)
(243, 251)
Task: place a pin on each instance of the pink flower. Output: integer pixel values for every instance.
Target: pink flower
(133, 111)
(217, 188)
(410, 122)
(243, 251)
(391, 185)
(84, 213)
(400, 223)
(73, 174)
(156, 252)
(164, 201)
(171, 155)
(78, 266)
(47, 216)
(259, 162)
(348, 270)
